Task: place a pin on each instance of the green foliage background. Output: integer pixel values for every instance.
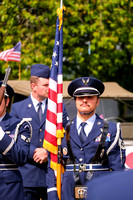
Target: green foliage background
(106, 24)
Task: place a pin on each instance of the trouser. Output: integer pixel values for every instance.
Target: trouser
(35, 193)
(11, 190)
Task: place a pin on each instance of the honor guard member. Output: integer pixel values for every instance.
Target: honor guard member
(35, 107)
(92, 147)
(14, 149)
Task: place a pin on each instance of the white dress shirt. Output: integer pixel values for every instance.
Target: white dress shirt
(88, 126)
(35, 103)
(2, 133)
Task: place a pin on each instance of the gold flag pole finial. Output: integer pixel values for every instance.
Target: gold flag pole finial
(60, 13)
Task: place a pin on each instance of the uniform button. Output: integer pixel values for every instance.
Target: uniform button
(40, 140)
(81, 159)
(81, 149)
(40, 130)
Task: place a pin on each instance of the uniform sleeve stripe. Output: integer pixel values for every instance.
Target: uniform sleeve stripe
(52, 189)
(9, 147)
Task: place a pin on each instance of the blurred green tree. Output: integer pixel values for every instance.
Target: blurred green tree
(97, 37)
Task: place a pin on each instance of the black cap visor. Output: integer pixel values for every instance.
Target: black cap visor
(85, 92)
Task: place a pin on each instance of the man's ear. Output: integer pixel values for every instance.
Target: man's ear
(98, 99)
(7, 101)
(32, 85)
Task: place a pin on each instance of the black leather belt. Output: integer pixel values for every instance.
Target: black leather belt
(8, 167)
(86, 167)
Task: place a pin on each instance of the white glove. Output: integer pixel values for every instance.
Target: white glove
(2, 133)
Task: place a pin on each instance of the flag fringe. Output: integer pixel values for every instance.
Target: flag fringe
(53, 165)
(50, 147)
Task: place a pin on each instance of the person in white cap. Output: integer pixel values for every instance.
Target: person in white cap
(92, 147)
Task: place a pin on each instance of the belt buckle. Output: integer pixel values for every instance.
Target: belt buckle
(82, 167)
(80, 192)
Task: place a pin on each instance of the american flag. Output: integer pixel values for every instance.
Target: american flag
(12, 54)
(53, 128)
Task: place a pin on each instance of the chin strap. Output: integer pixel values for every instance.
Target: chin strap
(82, 113)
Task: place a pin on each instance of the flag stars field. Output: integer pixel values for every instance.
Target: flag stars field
(56, 63)
(57, 43)
(54, 54)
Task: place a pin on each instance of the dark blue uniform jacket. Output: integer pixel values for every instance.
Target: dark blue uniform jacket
(12, 154)
(34, 174)
(84, 154)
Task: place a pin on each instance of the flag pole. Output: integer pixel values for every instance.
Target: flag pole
(6, 64)
(19, 71)
(59, 152)
(61, 4)
(59, 168)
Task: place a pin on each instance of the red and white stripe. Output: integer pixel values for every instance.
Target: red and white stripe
(10, 55)
(4, 55)
(54, 116)
(59, 101)
(14, 56)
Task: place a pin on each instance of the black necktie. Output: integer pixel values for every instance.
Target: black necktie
(40, 110)
(82, 133)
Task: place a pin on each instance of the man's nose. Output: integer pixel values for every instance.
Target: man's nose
(84, 99)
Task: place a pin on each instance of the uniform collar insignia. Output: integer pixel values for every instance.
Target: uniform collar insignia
(98, 123)
(29, 105)
(7, 132)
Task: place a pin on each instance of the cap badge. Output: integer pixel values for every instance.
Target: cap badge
(85, 81)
